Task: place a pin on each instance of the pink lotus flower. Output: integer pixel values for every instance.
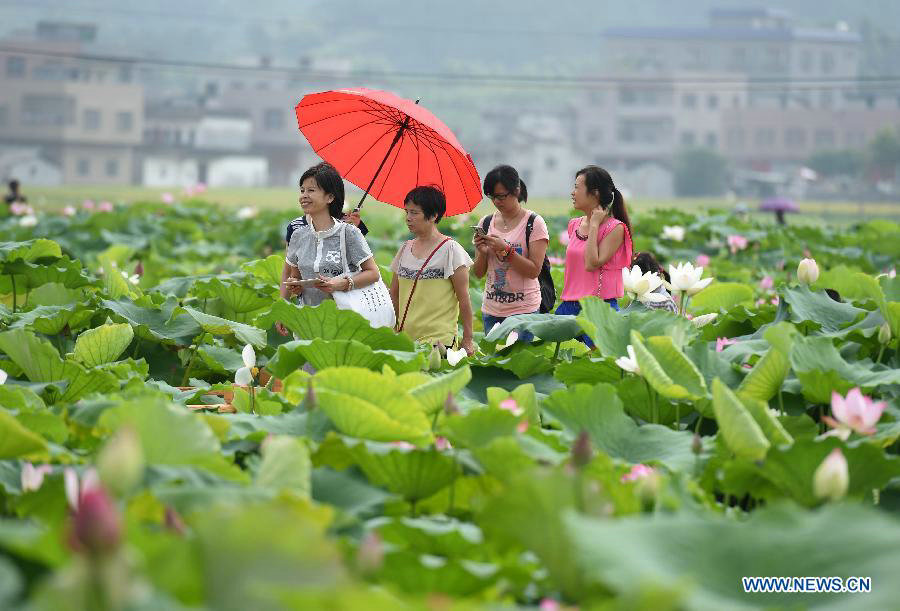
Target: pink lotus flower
(441, 443)
(33, 477)
(702, 260)
(736, 243)
(760, 302)
(88, 204)
(511, 406)
(522, 427)
(96, 526)
(722, 342)
(76, 489)
(556, 260)
(20, 209)
(548, 604)
(564, 237)
(403, 445)
(105, 207)
(775, 300)
(855, 412)
(167, 198)
(69, 211)
(766, 283)
(637, 472)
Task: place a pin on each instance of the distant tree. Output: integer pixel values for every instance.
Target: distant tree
(884, 153)
(700, 172)
(838, 163)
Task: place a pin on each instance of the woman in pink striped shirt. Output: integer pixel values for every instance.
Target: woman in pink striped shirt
(599, 243)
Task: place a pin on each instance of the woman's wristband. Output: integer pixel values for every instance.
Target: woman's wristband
(349, 284)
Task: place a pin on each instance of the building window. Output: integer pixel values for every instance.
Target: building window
(765, 137)
(689, 100)
(83, 166)
(124, 74)
(48, 110)
(627, 97)
(739, 57)
(712, 101)
(824, 138)
(687, 139)
(15, 66)
(795, 137)
(712, 140)
(806, 61)
(91, 119)
(112, 168)
(273, 119)
(124, 121)
(827, 62)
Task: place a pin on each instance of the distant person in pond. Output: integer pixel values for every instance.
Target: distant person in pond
(510, 246)
(599, 243)
(430, 288)
(314, 249)
(14, 195)
(648, 263)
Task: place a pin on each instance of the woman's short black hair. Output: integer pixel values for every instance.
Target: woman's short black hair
(330, 181)
(507, 176)
(430, 199)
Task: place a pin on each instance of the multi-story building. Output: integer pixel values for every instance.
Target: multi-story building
(84, 115)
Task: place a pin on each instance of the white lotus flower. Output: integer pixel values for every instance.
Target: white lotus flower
(33, 477)
(674, 233)
(69, 211)
(686, 278)
(642, 285)
(629, 363)
(29, 220)
(807, 271)
(243, 376)
(455, 356)
(247, 212)
(702, 321)
(832, 478)
(133, 278)
(511, 339)
(3, 376)
(248, 354)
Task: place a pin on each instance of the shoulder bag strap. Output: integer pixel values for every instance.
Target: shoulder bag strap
(416, 281)
(529, 226)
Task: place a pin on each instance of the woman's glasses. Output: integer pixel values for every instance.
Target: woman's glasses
(498, 196)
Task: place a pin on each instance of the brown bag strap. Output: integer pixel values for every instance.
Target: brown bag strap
(416, 281)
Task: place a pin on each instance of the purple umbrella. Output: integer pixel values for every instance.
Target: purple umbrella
(779, 205)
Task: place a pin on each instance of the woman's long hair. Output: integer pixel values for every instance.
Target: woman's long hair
(598, 181)
(507, 176)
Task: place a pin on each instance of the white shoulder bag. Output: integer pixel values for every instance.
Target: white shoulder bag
(373, 302)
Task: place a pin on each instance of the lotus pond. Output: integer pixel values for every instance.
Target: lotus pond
(754, 435)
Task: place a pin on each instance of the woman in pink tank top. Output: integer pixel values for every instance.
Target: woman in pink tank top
(599, 243)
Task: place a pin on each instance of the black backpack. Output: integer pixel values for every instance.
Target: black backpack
(548, 291)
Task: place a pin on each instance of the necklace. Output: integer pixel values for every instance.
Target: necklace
(505, 224)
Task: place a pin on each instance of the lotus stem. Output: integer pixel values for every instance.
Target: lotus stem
(556, 352)
(253, 399)
(880, 353)
(190, 365)
(780, 402)
(12, 277)
(677, 425)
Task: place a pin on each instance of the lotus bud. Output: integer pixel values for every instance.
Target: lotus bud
(174, 522)
(121, 462)
(831, 479)
(581, 450)
(96, 526)
(450, 406)
(139, 269)
(434, 359)
(884, 333)
(808, 271)
(697, 444)
(309, 401)
(370, 554)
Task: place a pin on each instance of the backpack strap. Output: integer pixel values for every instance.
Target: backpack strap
(529, 226)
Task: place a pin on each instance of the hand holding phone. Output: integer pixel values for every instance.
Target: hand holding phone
(479, 230)
(301, 282)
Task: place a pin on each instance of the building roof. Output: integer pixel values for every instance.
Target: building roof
(730, 33)
(750, 12)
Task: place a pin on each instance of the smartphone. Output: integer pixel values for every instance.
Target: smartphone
(479, 230)
(301, 282)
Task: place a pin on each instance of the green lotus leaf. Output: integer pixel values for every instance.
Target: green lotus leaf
(162, 323)
(667, 369)
(821, 370)
(721, 296)
(215, 325)
(103, 344)
(820, 309)
(50, 320)
(321, 354)
(611, 330)
(548, 327)
(742, 434)
(17, 440)
(285, 466)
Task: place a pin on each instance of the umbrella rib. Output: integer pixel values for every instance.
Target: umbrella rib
(338, 114)
(366, 152)
(393, 163)
(347, 133)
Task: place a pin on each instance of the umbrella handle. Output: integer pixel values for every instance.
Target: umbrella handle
(397, 137)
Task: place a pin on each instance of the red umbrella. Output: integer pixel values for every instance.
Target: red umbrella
(387, 145)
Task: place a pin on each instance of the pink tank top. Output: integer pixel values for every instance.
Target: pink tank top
(605, 282)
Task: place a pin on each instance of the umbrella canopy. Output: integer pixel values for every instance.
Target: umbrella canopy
(386, 145)
(779, 204)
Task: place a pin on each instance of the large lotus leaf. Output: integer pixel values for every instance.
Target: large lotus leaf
(267, 270)
(524, 395)
(589, 370)
(689, 383)
(285, 466)
(685, 551)
(639, 403)
(765, 379)
(821, 370)
(611, 330)
(548, 327)
(178, 286)
(54, 294)
(245, 334)
(369, 405)
(479, 426)
(20, 398)
(503, 458)
(15, 439)
(30, 275)
(412, 473)
(220, 359)
(237, 297)
(161, 323)
(326, 321)
(599, 411)
(171, 435)
(424, 573)
(350, 493)
(768, 420)
(819, 308)
(741, 432)
(50, 320)
(523, 360)
(721, 296)
(440, 536)
(321, 354)
(115, 285)
(41, 363)
(851, 284)
(103, 344)
(434, 391)
(892, 310)
(31, 250)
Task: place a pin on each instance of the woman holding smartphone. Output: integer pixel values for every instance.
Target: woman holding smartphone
(507, 252)
(314, 267)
